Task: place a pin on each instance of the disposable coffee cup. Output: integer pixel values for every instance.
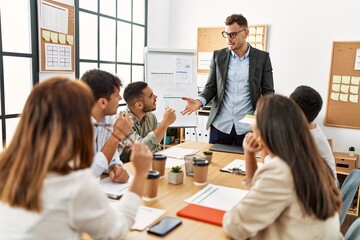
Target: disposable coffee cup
(151, 186)
(200, 168)
(158, 163)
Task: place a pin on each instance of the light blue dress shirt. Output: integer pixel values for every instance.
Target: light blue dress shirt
(236, 102)
(101, 136)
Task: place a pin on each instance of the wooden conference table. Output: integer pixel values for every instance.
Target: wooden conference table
(171, 197)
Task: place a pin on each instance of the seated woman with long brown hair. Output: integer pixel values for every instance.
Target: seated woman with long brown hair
(293, 196)
(47, 190)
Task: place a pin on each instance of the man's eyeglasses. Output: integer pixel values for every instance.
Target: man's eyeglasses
(232, 34)
(124, 144)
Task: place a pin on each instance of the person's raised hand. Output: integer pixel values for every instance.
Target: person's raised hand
(191, 106)
(123, 125)
(169, 116)
(141, 158)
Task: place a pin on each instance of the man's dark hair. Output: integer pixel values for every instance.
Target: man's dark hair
(102, 83)
(309, 100)
(236, 18)
(133, 92)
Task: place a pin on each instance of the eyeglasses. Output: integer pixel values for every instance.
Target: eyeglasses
(122, 143)
(232, 34)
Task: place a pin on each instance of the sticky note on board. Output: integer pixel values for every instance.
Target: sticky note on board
(355, 80)
(46, 35)
(251, 38)
(259, 30)
(354, 89)
(343, 97)
(336, 79)
(62, 38)
(54, 37)
(344, 88)
(259, 46)
(70, 39)
(335, 87)
(252, 30)
(335, 96)
(354, 98)
(258, 38)
(345, 79)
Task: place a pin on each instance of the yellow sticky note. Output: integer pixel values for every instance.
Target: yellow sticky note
(345, 79)
(354, 89)
(336, 87)
(335, 96)
(354, 98)
(54, 37)
(46, 35)
(355, 80)
(62, 38)
(70, 39)
(344, 97)
(336, 79)
(344, 88)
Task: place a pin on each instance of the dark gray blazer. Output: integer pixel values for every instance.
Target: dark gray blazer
(260, 78)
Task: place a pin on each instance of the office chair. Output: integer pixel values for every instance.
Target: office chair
(348, 190)
(353, 232)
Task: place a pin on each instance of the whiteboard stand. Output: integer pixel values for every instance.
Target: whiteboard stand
(196, 135)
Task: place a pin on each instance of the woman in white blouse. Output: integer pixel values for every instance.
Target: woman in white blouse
(46, 188)
(293, 196)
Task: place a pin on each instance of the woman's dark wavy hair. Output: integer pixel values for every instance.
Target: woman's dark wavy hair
(284, 130)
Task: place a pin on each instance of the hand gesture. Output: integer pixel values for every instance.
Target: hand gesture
(123, 125)
(251, 144)
(118, 174)
(192, 105)
(169, 116)
(141, 158)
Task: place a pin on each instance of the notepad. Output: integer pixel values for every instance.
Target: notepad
(217, 197)
(201, 213)
(112, 188)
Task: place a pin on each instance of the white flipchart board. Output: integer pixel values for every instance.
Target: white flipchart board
(171, 73)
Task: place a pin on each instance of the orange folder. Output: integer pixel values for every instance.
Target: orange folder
(201, 213)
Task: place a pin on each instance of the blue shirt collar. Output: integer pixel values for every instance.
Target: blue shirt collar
(233, 54)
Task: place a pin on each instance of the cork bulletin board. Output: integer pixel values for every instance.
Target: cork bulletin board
(56, 35)
(210, 39)
(343, 101)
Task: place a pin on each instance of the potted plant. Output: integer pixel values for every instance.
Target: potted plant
(176, 175)
(208, 155)
(351, 151)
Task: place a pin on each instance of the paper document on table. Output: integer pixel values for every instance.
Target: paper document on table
(145, 216)
(117, 189)
(172, 162)
(248, 119)
(237, 167)
(177, 152)
(218, 197)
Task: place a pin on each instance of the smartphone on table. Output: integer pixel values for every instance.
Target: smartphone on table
(164, 226)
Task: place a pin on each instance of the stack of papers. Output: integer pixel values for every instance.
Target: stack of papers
(218, 197)
(112, 188)
(177, 152)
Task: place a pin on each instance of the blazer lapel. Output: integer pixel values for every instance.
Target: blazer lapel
(252, 64)
(223, 61)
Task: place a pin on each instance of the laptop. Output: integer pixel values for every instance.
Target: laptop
(226, 148)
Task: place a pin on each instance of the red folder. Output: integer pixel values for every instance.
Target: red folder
(201, 213)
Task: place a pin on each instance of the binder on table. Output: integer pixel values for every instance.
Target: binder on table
(201, 213)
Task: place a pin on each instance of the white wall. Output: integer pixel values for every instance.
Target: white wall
(300, 36)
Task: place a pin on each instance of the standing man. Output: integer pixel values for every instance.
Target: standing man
(107, 131)
(239, 75)
(141, 101)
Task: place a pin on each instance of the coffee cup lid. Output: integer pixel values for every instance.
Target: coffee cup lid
(200, 162)
(159, 157)
(153, 174)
